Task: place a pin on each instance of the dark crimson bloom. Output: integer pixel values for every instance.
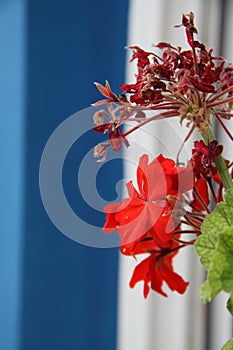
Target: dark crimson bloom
(141, 56)
(204, 156)
(188, 23)
(149, 210)
(113, 128)
(115, 134)
(144, 96)
(193, 85)
(156, 269)
(227, 78)
(204, 169)
(148, 88)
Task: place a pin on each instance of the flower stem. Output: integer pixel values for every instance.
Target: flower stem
(220, 163)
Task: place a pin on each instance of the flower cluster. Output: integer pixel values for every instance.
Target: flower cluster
(150, 220)
(190, 84)
(171, 201)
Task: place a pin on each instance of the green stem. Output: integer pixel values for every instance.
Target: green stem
(220, 163)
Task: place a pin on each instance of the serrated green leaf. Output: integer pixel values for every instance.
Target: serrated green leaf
(206, 292)
(215, 248)
(221, 218)
(228, 345)
(229, 197)
(230, 304)
(220, 274)
(205, 247)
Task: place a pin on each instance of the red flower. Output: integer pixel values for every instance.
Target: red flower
(141, 56)
(204, 157)
(156, 269)
(115, 134)
(201, 194)
(148, 88)
(143, 96)
(148, 211)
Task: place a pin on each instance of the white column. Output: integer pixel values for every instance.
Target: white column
(179, 321)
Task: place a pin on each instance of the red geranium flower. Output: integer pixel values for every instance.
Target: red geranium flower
(148, 211)
(156, 269)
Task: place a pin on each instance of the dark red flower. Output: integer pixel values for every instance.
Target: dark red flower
(141, 56)
(115, 134)
(204, 156)
(145, 92)
(156, 269)
(227, 77)
(190, 29)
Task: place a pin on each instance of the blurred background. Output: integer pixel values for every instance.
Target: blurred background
(54, 292)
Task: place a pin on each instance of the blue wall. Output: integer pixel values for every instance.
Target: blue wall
(61, 294)
(12, 58)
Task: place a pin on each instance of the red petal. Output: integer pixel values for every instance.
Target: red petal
(202, 189)
(157, 282)
(173, 280)
(141, 175)
(141, 274)
(102, 127)
(134, 225)
(131, 190)
(143, 246)
(189, 37)
(163, 45)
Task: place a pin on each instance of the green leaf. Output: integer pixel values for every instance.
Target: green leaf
(230, 304)
(229, 198)
(215, 248)
(206, 293)
(228, 345)
(205, 247)
(220, 274)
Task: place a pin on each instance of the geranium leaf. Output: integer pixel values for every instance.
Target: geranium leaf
(230, 304)
(215, 248)
(220, 273)
(205, 293)
(205, 247)
(228, 345)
